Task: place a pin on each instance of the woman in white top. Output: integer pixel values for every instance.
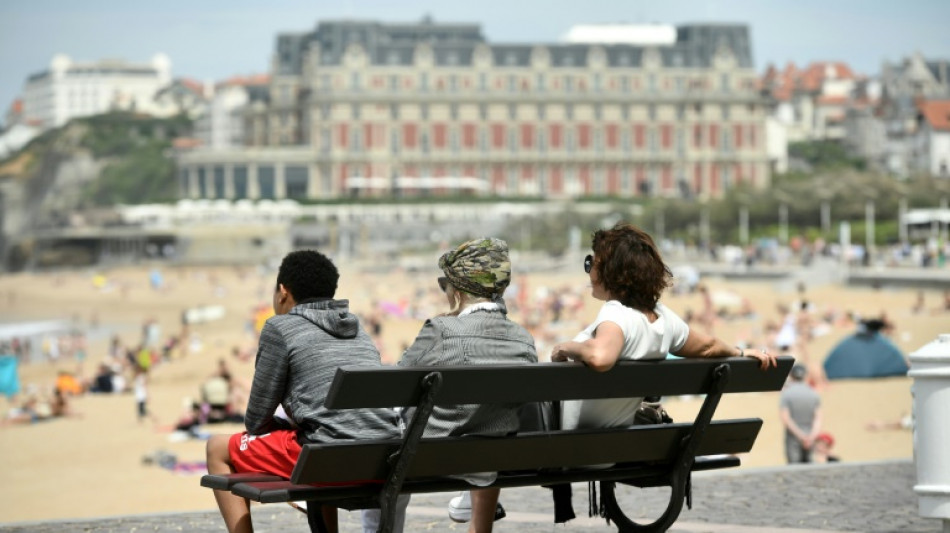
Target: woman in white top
(628, 274)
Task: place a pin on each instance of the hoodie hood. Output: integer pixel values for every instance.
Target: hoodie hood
(332, 316)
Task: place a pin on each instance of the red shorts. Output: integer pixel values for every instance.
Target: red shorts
(271, 453)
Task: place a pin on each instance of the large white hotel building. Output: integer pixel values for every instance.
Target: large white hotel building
(357, 109)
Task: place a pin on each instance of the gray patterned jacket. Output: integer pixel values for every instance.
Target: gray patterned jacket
(479, 338)
(298, 356)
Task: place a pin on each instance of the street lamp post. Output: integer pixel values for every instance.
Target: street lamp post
(783, 223)
(869, 225)
(744, 225)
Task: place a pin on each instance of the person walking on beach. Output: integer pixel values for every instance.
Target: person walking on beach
(800, 411)
(301, 347)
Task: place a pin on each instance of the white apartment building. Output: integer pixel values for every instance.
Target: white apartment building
(931, 144)
(69, 89)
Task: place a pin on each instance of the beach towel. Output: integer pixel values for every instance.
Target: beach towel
(9, 376)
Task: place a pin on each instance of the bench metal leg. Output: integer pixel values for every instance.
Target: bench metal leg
(402, 459)
(682, 466)
(315, 518)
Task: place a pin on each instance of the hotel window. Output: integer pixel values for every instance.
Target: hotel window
(218, 182)
(541, 112)
(394, 140)
(543, 180)
(568, 84)
(483, 81)
(454, 111)
(512, 111)
(297, 180)
(600, 181)
(569, 111)
(569, 139)
(724, 82)
(424, 142)
(651, 83)
(598, 139)
(626, 181)
(355, 111)
(597, 82)
(325, 139)
(423, 81)
(512, 83)
(356, 140)
(454, 139)
(652, 140)
(598, 112)
(265, 179)
(483, 111)
(355, 81)
(325, 82)
(424, 111)
(512, 184)
(453, 82)
(513, 139)
(651, 111)
(394, 111)
(483, 139)
(625, 111)
(625, 138)
(680, 142)
(540, 82)
(542, 140)
(393, 82)
(725, 111)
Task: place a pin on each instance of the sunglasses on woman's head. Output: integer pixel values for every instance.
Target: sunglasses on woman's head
(588, 263)
(443, 282)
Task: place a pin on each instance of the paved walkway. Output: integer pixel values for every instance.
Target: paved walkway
(872, 497)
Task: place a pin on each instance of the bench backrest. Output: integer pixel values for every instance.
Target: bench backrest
(355, 387)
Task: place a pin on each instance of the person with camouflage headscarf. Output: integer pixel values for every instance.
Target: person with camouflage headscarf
(476, 331)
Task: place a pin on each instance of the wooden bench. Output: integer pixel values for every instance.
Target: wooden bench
(643, 456)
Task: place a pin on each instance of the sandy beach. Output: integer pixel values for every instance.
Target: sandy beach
(91, 464)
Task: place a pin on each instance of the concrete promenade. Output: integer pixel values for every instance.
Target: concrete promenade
(872, 497)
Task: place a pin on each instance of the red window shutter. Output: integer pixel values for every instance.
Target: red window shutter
(468, 135)
(342, 177)
(697, 136)
(738, 173)
(527, 136)
(368, 135)
(753, 137)
(584, 175)
(613, 179)
(498, 178)
(342, 139)
(698, 178)
(667, 177)
(498, 135)
(409, 132)
(612, 136)
(556, 185)
(737, 136)
(555, 136)
(666, 136)
(713, 136)
(641, 178)
(583, 135)
(438, 134)
(714, 180)
(639, 135)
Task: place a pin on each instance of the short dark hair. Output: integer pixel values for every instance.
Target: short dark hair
(308, 274)
(629, 266)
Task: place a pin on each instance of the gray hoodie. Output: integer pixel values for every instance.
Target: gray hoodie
(297, 358)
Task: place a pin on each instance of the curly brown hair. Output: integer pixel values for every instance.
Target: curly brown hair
(629, 266)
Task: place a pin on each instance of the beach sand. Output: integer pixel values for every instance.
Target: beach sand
(91, 466)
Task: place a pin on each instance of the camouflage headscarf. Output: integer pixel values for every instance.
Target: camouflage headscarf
(480, 267)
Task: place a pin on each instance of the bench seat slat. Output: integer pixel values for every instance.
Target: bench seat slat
(226, 481)
(365, 496)
(340, 462)
(355, 387)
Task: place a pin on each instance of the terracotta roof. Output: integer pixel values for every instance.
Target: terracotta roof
(936, 113)
(185, 143)
(816, 73)
(253, 79)
(832, 100)
(193, 85)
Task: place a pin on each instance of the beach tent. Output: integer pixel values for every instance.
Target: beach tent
(9, 378)
(865, 355)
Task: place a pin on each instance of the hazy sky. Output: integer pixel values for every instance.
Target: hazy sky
(215, 39)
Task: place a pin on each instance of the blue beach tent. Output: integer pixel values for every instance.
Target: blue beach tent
(865, 355)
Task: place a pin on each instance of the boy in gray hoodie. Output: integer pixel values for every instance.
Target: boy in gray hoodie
(300, 349)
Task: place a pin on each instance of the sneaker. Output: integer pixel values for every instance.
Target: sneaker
(460, 508)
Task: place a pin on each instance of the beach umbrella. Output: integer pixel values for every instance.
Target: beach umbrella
(865, 355)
